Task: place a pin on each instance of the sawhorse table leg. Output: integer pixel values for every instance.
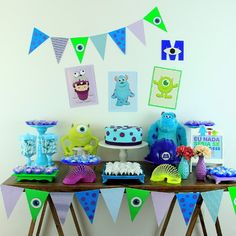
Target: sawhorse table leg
(166, 222)
(55, 218)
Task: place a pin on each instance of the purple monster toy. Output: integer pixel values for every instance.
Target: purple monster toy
(163, 151)
(80, 173)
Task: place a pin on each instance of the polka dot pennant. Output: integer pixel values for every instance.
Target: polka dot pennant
(38, 37)
(187, 203)
(154, 17)
(136, 199)
(88, 200)
(119, 37)
(36, 201)
(79, 45)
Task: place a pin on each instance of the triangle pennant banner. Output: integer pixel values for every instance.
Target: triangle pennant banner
(154, 17)
(232, 192)
(36, 200)
(62, 203)
(119, 37)
(88, 200)
(212, 200)
(136, 199)
(161, 202)
(137, 29)
(79, 45)
(113, 198)
(99, 42)
(10, 196)
(187, 203)
(38, 37)
(59, 45)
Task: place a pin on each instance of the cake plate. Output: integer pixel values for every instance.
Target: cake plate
(123, 154)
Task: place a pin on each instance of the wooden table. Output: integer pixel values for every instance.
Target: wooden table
(189, 185)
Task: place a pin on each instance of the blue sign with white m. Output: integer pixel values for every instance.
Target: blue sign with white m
(172, 51)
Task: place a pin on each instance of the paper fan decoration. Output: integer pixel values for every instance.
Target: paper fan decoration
(168, 172)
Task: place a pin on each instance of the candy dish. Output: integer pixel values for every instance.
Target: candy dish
(80, 159)
(221, 174)
(35, 173)
(122, 171)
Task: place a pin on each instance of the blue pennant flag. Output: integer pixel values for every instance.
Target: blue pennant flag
(38, 37)
(119, 37)
(212, 200)
(88, 200)
(187, 203)
(113, 198)
(99, 42)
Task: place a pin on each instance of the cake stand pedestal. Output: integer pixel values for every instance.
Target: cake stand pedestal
(123, 154)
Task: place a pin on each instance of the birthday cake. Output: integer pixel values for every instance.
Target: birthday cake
(123, 135)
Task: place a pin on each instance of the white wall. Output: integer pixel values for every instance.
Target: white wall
(34, 87)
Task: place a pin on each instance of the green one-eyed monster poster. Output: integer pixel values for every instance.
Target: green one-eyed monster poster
(165, 86)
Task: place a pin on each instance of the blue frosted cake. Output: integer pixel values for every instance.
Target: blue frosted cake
(123, 135)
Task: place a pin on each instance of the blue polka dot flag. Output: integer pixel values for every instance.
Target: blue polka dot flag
(187, 203)
(88, 200)
(38, 37)
(119, 37)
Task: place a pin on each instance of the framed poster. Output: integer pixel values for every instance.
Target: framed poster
(122, 91)
(81, 85)
(164, 88)
(211, 139)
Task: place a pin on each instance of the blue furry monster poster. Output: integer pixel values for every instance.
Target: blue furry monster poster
(122, 91)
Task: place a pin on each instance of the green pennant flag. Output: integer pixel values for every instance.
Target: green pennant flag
(232, 192)
(79, 45)
(154, 17)
(136, 199)
(36, 200)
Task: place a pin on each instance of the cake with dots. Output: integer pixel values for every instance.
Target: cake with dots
(123, 135)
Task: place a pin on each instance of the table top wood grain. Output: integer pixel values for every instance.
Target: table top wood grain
(189, 185)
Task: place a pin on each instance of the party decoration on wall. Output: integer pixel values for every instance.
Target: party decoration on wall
(113, 198)
(62, 202)
(154, 17)
(59, 46)
(136, 199)
(88, 200)
(137, 29)
(187, 203)
(212, 200)
(79, 45)
(122, 91)
(161, 202)
(232, 192)
(214, 142)
(118, 36)
(164, 87)
(81, 85)
(38, 37)
(173, 52)
(10, 196)
(36, 200)
(99, 42)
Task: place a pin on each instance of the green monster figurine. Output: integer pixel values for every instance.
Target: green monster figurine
(79, 136)
(165, 85)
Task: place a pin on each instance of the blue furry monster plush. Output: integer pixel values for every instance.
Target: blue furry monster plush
(122, 91)
(163, 151)
(167, 128)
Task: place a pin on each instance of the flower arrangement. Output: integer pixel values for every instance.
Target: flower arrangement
(185, 151)
(202, 151)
